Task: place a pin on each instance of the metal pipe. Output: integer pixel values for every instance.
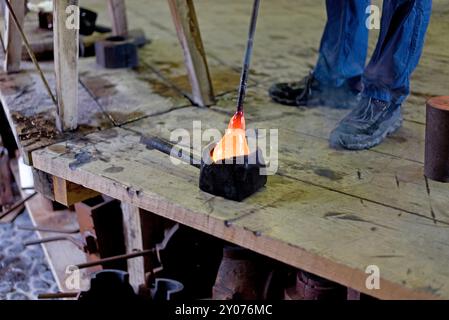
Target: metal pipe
(46, 229)
(17, 205)
(76, 242)
(248, 55)
(58, 295)
(114, 259)
(166, 147)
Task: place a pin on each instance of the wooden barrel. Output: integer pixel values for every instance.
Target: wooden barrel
(437, 139)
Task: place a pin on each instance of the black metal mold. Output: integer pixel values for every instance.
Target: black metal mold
(233, 180)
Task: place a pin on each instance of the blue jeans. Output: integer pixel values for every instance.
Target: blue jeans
(344, 47)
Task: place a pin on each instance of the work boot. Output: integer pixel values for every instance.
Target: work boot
(309, 92)
(367, 125)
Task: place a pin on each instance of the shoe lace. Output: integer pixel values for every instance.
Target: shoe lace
(369, 111)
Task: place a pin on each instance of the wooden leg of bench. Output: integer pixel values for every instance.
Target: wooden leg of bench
(66, 48)
(117, 12)
(186, 23)
(13, 40)
(133, 241)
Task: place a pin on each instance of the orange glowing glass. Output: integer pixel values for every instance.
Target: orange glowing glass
(234, 143)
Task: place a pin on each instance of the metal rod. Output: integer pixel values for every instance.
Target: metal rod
(248, 55)
(77, 243)
(47, 229)
(17, 205)
(58, 295)
(114, 259)
(166, 147)
(31, 54)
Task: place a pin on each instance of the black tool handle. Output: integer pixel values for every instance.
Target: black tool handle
(248, 55)
(166, 147)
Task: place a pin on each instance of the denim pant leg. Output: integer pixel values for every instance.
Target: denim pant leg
(403, 28)
(344, 43)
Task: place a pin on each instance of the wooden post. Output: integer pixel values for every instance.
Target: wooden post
(13, 40)
(186, 23)
(117, 12)
(133, 241)
(66, 48)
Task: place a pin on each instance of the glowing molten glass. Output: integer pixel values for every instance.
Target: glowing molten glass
(233, 144)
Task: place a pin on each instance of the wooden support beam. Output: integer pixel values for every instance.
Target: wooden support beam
(13, 40)
(133, 241)
(186, 23)
(68, 193)
(117, 12)
(66, 48)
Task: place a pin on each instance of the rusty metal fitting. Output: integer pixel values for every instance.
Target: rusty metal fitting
(311, 287)
(242, 275)
(100, 221)
(437, 145)
(116, 52)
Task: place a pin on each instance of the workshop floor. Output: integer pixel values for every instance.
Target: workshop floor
(24, 271)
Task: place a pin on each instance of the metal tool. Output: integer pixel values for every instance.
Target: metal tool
(78, 242)
(116, 258)
(248, 55)
(238, 177)
(47, 229)
(168, 148)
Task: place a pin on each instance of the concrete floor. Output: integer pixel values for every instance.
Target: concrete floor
(24, 271)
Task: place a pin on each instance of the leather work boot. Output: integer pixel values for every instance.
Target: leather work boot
(367, 125)
(309, 93)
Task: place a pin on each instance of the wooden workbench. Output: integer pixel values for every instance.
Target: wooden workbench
(329, 212)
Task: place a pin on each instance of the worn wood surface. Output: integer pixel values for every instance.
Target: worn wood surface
(66, 51)
(332, 213)
(134, 242)
(12, 39)
(186, 23)
(117, 13)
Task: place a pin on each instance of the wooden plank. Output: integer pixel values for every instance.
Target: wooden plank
(127, 95)
(367, 175)
(293, 54)
(13, 39)
(310, 227)
(172, 68)
(31, 113)
(117, 12)
(68, 193)
(186, 23)
(133, 241)
(66, 51)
